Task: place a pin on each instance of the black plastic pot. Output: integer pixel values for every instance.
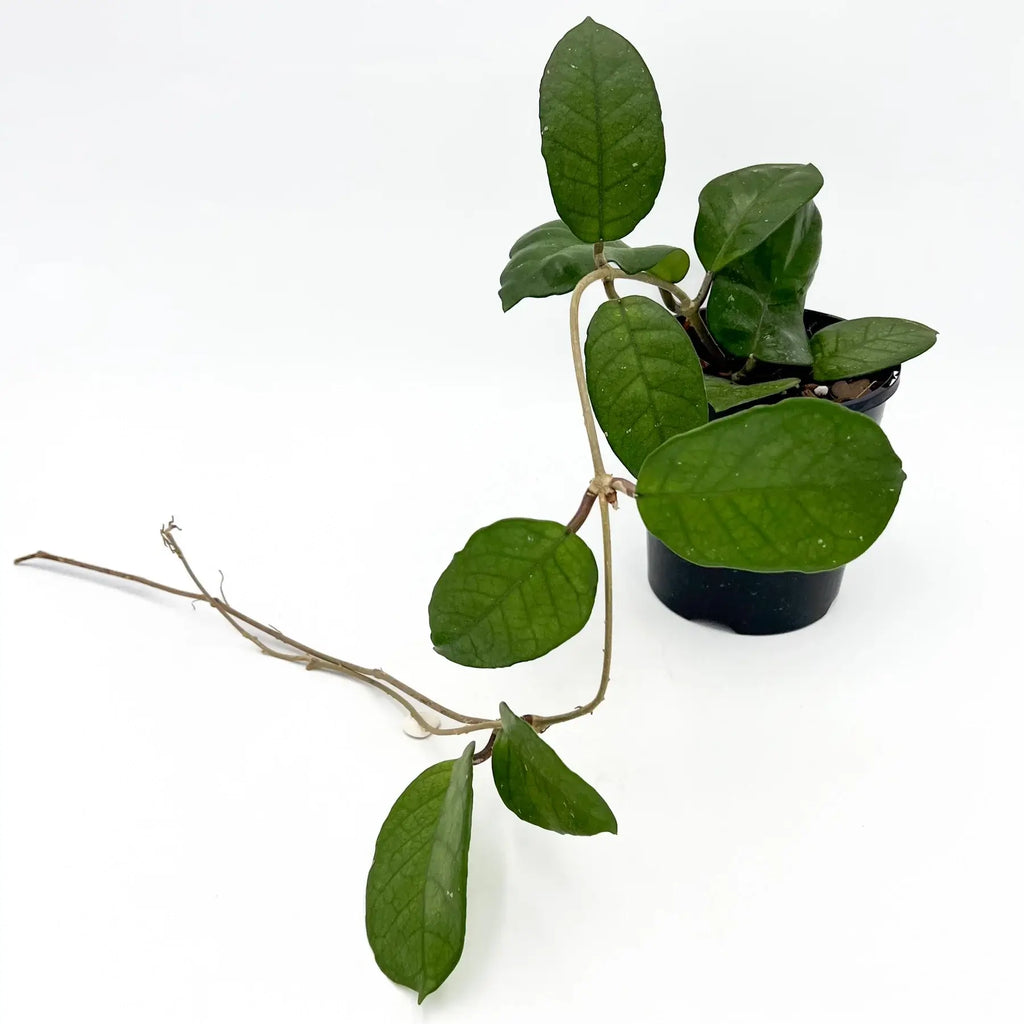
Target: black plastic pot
(756, 603)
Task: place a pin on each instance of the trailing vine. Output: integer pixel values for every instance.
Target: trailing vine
(799, 485)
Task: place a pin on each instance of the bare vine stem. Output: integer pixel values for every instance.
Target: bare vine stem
(705, 288)
(602, 486)
(309, 656)
(602, 273)
(541, 722)
(603, 491)
(600, 260)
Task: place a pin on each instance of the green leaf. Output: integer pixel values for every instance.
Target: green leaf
(551, 260)
(534, 784)
(756, 306)
(851, 348)
(672, 267)
(601, 133)
(804, 485)
(724, 394)
(739, 210)
(416, 889)
(644, 378)
(518, 589)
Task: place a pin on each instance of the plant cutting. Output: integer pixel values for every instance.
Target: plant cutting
(801, 485)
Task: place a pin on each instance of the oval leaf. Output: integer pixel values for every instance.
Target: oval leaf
(739, 210)
(644, 378)
(854, 347)
(724, 394)
(804, 485)
(551, 260)
(756, 306)
(535, 784)
(416, 889)
(518, 589)
(601, 133)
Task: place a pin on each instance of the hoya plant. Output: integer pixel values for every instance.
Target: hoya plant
(802, 484)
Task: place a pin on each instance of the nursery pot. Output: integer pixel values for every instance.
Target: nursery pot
(757, 603)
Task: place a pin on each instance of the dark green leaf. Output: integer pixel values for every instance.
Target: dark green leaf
(739, 210)
(551, 260)
(416, 889)
(724, 394)
(601, 133)
(534, 784)
(518, 589)
(644, 378)
(854, 347)
(756, 306)
(803, 485)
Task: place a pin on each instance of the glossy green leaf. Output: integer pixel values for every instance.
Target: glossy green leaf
(644, 378)
(518, 589)
(551, 260)
(535, 784)
(851, 348)
(416, 889)
(724, 394)
(739, 210)
(601, 133)
(756, 306)
(803, 485)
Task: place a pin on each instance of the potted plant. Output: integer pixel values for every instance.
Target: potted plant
(800, 485)
(731, 538)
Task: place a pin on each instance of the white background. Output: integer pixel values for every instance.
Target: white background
(249, 256)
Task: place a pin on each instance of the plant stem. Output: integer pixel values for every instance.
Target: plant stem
(615, 485)
(712, 351)
(541, 722)
(745, 370)
(484, 753)
(312, 658)
(603, 485)
(46, 556)
(600, 260)
(580, 516)
(577, 360)
(705, 288)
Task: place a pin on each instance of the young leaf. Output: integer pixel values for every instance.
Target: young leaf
(601, 133)
(518, 589)
(551, 260)
(644, 378)
(534, 784)
(804, 485)
(756, 306)
(739, 210)
(416, 889)
(854, 347)
(724, 394)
